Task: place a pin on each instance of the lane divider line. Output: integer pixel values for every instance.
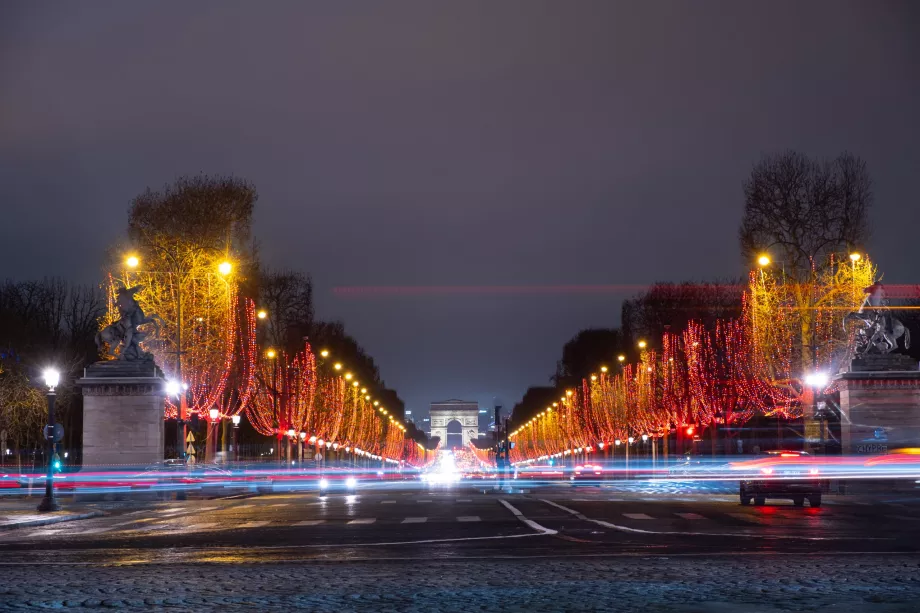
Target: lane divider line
(534, 525)
(607, 524)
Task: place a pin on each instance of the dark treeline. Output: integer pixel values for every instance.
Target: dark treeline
(44, 323)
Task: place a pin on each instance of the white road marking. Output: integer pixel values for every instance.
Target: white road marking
(387, 502)
(172, 510)
(414, 520)
(468, 518)
(464, 500)
(607, 524)
(197, 527)
(204, 509)
(690, 515)
(365, 520)
(310, 522)
(423, 500)
(45, 532)
(534, 525)
(254, 524)
(97, 530)
(637, 516)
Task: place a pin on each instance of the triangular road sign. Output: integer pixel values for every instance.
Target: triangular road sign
(190, 438)
(190, 449)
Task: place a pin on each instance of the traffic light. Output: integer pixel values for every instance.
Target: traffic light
(56, 462)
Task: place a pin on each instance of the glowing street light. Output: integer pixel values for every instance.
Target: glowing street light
(337, 366)
(855, 257)
(214, 414)
(271, 354)
(817, 380)
(324, 353)
(262, 314)
(763, 260)
(132, 261)
(172, 388)
(52, 377)
(642, 344)
(225, 268)
(621, 358)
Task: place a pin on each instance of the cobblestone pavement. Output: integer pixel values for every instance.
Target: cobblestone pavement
(757, 584)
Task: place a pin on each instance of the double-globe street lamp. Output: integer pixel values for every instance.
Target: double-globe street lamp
(52, 377)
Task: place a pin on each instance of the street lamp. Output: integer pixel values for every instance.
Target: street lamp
(225, 268)
(262, 314)
(214, 416)
(855, 257)
(132, 261)
(52, 377)
(817, 381)
(642, 344)
(763, 260)
(236, 429)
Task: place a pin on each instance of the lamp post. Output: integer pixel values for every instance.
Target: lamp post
(303, 437)
(817, 381)
(49, 503)
(291, 434)
(236, 430)
(214, 416)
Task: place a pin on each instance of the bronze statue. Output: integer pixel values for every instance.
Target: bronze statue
(880, 331)
(124, 333)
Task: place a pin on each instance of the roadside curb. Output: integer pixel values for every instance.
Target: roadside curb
(49, 520)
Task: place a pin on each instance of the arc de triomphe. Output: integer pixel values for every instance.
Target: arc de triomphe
(447, 411)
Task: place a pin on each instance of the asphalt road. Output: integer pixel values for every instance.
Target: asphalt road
(604, 531)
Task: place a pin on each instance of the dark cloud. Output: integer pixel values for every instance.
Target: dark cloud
(452, 144)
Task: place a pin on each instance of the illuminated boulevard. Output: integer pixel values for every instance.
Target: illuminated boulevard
(405, 546)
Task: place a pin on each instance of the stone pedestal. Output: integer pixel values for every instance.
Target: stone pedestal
(880, 403)
(122, 414)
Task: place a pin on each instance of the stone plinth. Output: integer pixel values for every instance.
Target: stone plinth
(880, 403)
(122, 414)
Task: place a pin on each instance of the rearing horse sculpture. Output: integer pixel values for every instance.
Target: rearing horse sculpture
(880, 331)
(123, 336)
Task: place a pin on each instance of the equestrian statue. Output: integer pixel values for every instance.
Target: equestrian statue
(879, 330)
(123, 336)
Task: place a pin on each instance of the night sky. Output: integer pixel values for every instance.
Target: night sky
(472, 168)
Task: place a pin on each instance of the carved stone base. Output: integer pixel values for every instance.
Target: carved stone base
(122, 414)
(881, 409)
(883, 363)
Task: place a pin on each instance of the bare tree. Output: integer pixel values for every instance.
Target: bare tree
(288, 299)
(671, 306)
(805, 210)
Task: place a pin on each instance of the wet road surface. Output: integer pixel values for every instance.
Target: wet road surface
(530, 531)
